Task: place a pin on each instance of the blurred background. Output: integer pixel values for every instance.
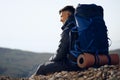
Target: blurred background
(34, 25)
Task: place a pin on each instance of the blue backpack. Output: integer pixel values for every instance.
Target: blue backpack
(90, 33)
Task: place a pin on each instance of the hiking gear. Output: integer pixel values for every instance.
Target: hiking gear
(87, 60)
(90, 33)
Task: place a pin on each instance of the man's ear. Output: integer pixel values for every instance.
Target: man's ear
(69, 13)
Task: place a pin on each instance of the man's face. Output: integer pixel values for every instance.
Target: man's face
(64, 16)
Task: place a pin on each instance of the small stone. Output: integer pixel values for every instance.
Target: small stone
(95, 69)
(99, 69)
(80, 79)
(112, 72)
(91, 78)
(58, 75)
(104, 75)
(84, 76)
(118, 73)
(80, 75)
(99, 74)
(106, 66)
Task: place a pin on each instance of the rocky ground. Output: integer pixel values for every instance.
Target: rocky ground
(111, 72)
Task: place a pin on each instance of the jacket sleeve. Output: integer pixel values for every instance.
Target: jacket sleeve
(63, 48)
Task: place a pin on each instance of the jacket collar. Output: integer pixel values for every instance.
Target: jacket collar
(70, 20)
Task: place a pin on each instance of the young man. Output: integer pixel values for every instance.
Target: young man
(60, 61)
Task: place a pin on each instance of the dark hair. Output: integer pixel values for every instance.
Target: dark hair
(71, 9)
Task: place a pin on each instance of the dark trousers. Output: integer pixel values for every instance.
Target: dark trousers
(51, 67)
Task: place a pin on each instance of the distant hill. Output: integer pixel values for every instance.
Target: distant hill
(115, 51)
(18, 63)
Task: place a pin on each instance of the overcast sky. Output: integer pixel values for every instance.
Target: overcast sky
(34, 24)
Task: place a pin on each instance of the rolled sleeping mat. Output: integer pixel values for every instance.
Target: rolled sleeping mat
(85, 60)
(103, 59)
(114, 59)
